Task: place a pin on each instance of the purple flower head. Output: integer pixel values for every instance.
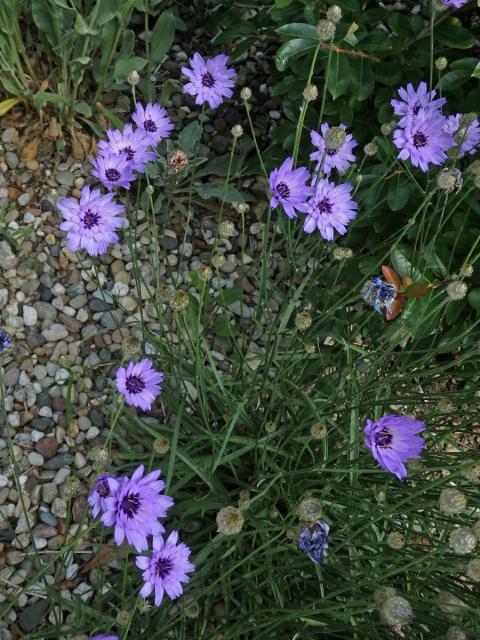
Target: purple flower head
(5, 342)
(134, 506)
(166, 569)
(103, 636)
(139, 383)
(153, 120)
(289, 188)
(454, 4)
(423, 140)
(379, 294)
(99, 493)
(339, 159)
(412, 100)
(313, 541)
(330, 209)
(131, 144)
(210, 79)
(91, 222)
(113, 170)
(468, 137)
(393, 440)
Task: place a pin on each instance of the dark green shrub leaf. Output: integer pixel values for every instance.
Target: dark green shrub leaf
(339, 76)
(290, 49)
(125, 65)
(451, 33)
(398, 192)
(218, 190)
(162, 36)
(298, 30)
(474, 299)
(189, 137)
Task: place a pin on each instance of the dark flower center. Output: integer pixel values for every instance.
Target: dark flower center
(130, 152)
(416, 109)
(90, 219)
(331, 152)
(130, 504)
(112, 175)
(103, 489)
(135, 384)
(419, 139)
(163, 566)
(283, 190)
(208, 80)
(324, 206)
(149, 125)
(383, 438)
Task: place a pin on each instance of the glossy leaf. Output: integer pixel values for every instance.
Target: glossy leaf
(298, 30)
(291, 49)
(339, 76)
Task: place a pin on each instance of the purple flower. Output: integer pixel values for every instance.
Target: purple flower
(466, 135)
(166, 569)
(454, 4)
(313, 541)
(91, 222)
(412, 100)
(134, 506)
(139, 383)
(131, 144)
(423, 140)
(330, 209)
(339, 159)
(102, 636)
(379, 294)
(99, 493)
(5, 342)
(289, 188)
(113, 170)
(210, 79)
(153, 120)
(393, 440)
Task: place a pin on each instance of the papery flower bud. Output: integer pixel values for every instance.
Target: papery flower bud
(441, 63)
(237, 131)
(473, 570)
(229, 521)
(161, 445)
(370, 149)
(438, 5)
(462, 541)
(318, 431)
(131, 346)
(448, 603)
(309, 510)
(177, 160)
(456, 633)
(271, 426)
(474, 167)
(467, 270)
(303, 321)
(246, 93)
(179, 301)
(334, 138)
(144, 606)
(383, 594)
(241, 207)
(310, 92)
(476, 529)
(123, 618)
(396, 540)
(445, 405)
(449, 180)
(325, 30)
(226, 229)
(218, 260)
(310, 347)
(387, 128)
(150, 189)
(472, 474)
(334, 13)
(452, 501)
(457, 290)
(396, 611)
(72, 485)
(133, 78)
(204, 273)
(99, 455)
(244, 499)
(191, 608)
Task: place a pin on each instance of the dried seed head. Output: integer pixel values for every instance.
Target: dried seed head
(467, 270)
(164, 292)
(177, 160)
(123, 618)
(99, 455)
(310, 92)
(476, 529)
(72, 485)
(456, 633)
(457, 290)
(303, 321)
(226, 229)
(370, 149)
(309, 510)
(241, 207)
(133, 78)
(237, 131)
(218, 260)
(179, 301)
(396, 540)
(449, 180)
(318, 431)
(445, 405)
(161, 445)
(325, 30)
(387, 128)
(462, 541)
(131, 346)
(335, 138)
(271, 426)
(334, 13)
(396, 611)
(229, 521)
(144, 606)
(246, 94)
(475, 167)
(441, 63)
(342, 253)
(452, 501)
(473, 570)
(205, 273)
(472, 474)
(310, 347)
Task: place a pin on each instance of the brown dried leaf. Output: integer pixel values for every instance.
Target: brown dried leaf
(30, 149)
(54, 130)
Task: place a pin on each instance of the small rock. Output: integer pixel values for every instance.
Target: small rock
(30, 317)
(23, 199)
(58, 461)
(55, 333)
(32, 615)
(59, 508)
(47, 447)
(35, 459)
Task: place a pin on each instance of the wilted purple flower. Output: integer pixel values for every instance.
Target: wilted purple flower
(153, 120)
(129, 143)
(91, 222)
(113, 170)
(453, 4)
(210, 79)
(134, 506)
(139, 383)
(99, 493)
(289, 188)
(379, 294)
(5, 342)
(423, 140)
(166, 569)
(313, 541)
(393, 440)
(330, 209)
(412, 100)
(467, 136)
(102, 636)
(339, 158)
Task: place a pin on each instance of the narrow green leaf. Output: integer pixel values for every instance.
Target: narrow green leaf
(162, 36)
